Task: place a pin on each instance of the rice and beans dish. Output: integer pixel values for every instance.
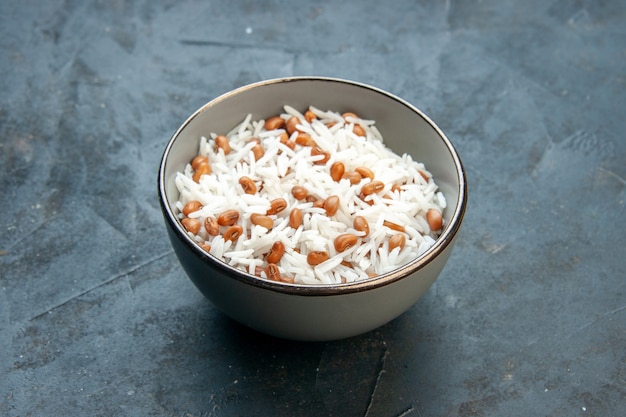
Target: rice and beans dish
(308, 198)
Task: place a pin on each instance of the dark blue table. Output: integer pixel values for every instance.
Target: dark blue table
(527, 319)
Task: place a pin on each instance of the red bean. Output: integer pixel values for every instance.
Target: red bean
(372, 187)
(262, 220)
(435, 219)
(228, 218)
(191, 225)
(191, 207)
(222, 142)
(233, 232)
(365, 172)
(276, 252)
(360, 223)
(203, 169)
(337, 170)
(295, 218)
(331, 205)
(299, 192)
(274, 122)
(272, 272)
(345, 241)
(276, 206)
(317, 257)
(199, 160)
(247, 184)
(397, 241)
(211, 226)
(292, 122)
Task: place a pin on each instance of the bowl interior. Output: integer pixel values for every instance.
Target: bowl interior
(404, 128)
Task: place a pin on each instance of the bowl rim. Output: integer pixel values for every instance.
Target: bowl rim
(441, 243)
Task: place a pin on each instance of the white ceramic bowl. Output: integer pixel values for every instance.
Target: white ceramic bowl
(315, 312)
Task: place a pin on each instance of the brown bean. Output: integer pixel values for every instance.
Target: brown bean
(233, 232)
(274, 122)
(206, 247)
(397, 241)
(211, 226)
(394, 226)
(222, 142)
(203, 169)
(272, 272)
(276, 206)
(317, 257)
(360, 223)
(372, 187)
(396, 187)
(283, 137)
(309, 116)
(365, 172)
(291, 124)
(199, 160)
(345, 241)
(276, 252)
(191, 225)
(319, 203)
(362, 197)
(262, 220)
(316, 150)
(295, 218)
(228, 217)
(310, 198)
(299, 192)
(435, 219)
(191, 206)
(331, 205)
(290, 144)
(353, 177)
(248, 185)
(347, 264)
(258, 152)
(358, 130)
(349, 114)
(304, 139)
(337, 170)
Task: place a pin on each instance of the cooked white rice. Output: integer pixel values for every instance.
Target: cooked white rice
(281, 168)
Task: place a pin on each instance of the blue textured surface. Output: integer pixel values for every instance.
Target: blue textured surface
(527, 319)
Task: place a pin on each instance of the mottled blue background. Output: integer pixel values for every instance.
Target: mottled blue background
(527, 319)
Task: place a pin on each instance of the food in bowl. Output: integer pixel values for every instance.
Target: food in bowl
(311, 197)
(322, 311)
